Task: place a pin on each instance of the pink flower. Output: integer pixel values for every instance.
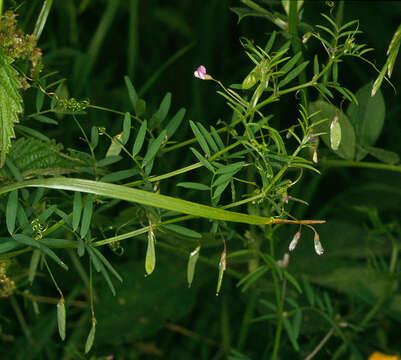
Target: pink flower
(286, 198)
(200, 73)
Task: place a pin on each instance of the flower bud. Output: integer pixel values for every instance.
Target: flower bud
(294, 241)
(318, 246)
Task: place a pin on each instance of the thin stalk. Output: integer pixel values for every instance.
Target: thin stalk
(277, 291)
(360, 164)
(295, 43)
(21, 319)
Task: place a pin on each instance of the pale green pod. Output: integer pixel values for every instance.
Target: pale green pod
(91, 337)
(150, 261)
(222, 268)
(193, 258)
(335, 133)
(251, 79)
(61, 316)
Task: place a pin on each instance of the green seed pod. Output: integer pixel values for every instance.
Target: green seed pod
(335, 133)
(250, 80)
(193, 258)
(61, 318)
(150, 261)
(222, 268)
(91, 337)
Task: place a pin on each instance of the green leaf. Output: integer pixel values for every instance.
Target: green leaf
(292, 280)
(270, 42)
(139, 196)
(250, 278)
(385, 156)
(194, 185)
(328, 111)
(61, 317)
(367, 118)
(87, 215)
(291, 63)
(140, 138)
(119, 175)
(36, 255)
(308, 290)
(106, 263)
(208, 138)
(316, 65)
(42, 18)
(202, 159)
(131, 93)
(291, 333)
(175, 122)
(293, 74)
(163, 108)
(115, 146)
(26, 240)
(231, 168)
(183, 231)
(45, 119)
(193, 258)
(76, 210)
(154, 148)
(199, 137)
(94, 137)
(217, 138)
(11, 105)
(36, 158)
(11, 211)
(220, 189)
(150, 260)
(91, 337)
(53, 256)
(100, 268)
(126, 128)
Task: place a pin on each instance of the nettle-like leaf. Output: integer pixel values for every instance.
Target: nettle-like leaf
(33, 157)
(10, 104)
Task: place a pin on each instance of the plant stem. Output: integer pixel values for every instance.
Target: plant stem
(279, 304)
(360, 164)
(320, 345)
(292, 31)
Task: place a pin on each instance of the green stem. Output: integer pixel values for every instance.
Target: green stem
(295, 43)
(184, 169)
(21, 319)
(365, 164)
(1, 7)
(246, 321)
(279, 305)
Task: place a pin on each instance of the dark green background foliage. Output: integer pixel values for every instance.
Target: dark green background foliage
(351, 292)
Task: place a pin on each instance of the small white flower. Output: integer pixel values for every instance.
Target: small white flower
(294, 241)
(318, 246)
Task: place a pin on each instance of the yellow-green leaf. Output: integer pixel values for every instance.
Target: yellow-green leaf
(11, 105)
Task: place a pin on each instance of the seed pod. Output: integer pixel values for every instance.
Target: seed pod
(335, 133)
(150, 261)
(250, 80)
(222, 268)
(61, 318)
(193, 258)
(91, 337)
